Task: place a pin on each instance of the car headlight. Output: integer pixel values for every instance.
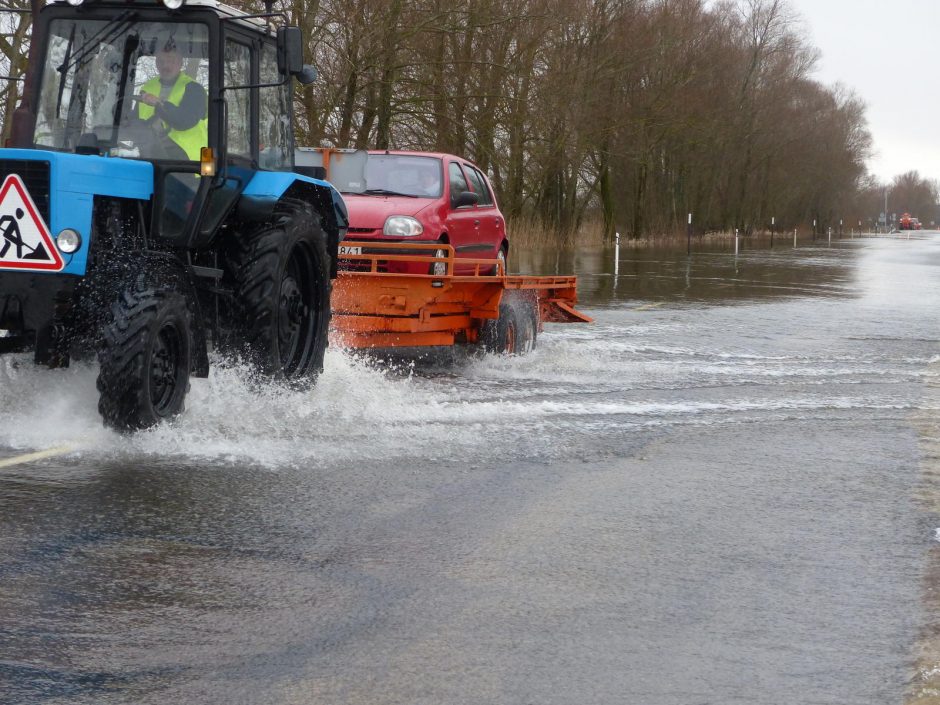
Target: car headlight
(75, 3)
(68, 241)
(402, 226)
(173, 4)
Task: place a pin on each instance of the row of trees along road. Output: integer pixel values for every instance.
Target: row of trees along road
(629, 113)
(907, 193)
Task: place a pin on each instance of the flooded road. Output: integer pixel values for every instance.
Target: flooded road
(723, 491)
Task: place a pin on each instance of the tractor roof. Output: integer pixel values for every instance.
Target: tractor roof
(221, 8)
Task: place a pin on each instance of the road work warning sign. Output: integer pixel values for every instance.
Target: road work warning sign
(25, 242)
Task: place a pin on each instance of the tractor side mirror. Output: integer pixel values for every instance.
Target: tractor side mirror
(290, 51)
(307, 75)
(290, 55)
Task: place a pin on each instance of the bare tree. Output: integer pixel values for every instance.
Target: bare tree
(631, 112)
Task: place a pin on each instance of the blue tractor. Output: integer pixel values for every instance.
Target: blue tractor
(150, 207)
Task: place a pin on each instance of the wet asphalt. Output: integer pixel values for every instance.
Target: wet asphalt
(721, 491)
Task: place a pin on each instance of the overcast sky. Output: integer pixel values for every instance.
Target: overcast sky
(889, 53)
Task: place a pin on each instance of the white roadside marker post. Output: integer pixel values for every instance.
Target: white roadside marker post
(616, 254)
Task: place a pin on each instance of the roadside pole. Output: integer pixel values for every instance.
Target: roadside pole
(735, 242)
(689, 236)
(886, 210)
(773, 221)
(616, 254)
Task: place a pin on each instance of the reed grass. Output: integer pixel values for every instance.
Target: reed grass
(527, 232)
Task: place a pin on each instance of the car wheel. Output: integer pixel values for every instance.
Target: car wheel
(439, 269)
(502, 257)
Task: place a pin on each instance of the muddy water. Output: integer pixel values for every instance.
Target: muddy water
(722, 491)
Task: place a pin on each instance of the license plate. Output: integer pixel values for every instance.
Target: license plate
(349, 250)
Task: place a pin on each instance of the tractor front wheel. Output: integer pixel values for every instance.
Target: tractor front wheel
(145, 358)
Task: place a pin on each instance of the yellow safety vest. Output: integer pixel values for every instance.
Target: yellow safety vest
(191, 140)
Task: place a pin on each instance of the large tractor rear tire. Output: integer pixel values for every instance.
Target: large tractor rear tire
(282, 274)
(145, 358)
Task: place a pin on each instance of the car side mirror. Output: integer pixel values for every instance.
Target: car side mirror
(466, 198)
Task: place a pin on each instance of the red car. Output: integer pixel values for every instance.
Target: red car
(423, 197)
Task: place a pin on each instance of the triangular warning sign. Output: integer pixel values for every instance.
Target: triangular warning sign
(25, 242)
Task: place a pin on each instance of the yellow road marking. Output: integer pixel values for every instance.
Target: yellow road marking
(645, 307)
(38, 455)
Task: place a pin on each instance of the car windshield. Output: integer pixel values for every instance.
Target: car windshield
(99, 75)
(406, 175)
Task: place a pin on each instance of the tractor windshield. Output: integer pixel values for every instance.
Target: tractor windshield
(125, 87)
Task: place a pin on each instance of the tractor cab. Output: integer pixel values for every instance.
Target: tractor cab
(150, 209)
(196, 89)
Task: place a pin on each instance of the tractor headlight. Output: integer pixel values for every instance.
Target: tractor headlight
(402, 226)
(171, 4)
(68, 241)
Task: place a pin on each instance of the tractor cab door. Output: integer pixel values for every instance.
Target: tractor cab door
(255, 126)
(236, 162)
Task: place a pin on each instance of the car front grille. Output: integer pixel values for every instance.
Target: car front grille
(358, 265)
(35, 176)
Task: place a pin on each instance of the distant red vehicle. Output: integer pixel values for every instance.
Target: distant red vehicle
(423, 197)
(905, 222)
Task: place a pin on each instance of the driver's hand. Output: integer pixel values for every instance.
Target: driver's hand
(149, 99)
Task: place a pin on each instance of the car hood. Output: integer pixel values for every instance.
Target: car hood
(372, 211)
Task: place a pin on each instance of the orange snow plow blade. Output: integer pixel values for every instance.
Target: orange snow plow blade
(376, 309)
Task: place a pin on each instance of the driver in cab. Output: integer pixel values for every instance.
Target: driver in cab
(175, 104)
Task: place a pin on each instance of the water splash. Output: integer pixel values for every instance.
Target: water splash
(585, 392)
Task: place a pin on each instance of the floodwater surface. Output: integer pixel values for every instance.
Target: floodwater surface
(722, 491)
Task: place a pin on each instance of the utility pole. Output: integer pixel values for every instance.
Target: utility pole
(886, 209)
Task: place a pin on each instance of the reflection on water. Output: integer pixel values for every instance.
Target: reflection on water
(710, 274)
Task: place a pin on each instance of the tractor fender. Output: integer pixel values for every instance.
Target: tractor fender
(268, 188)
